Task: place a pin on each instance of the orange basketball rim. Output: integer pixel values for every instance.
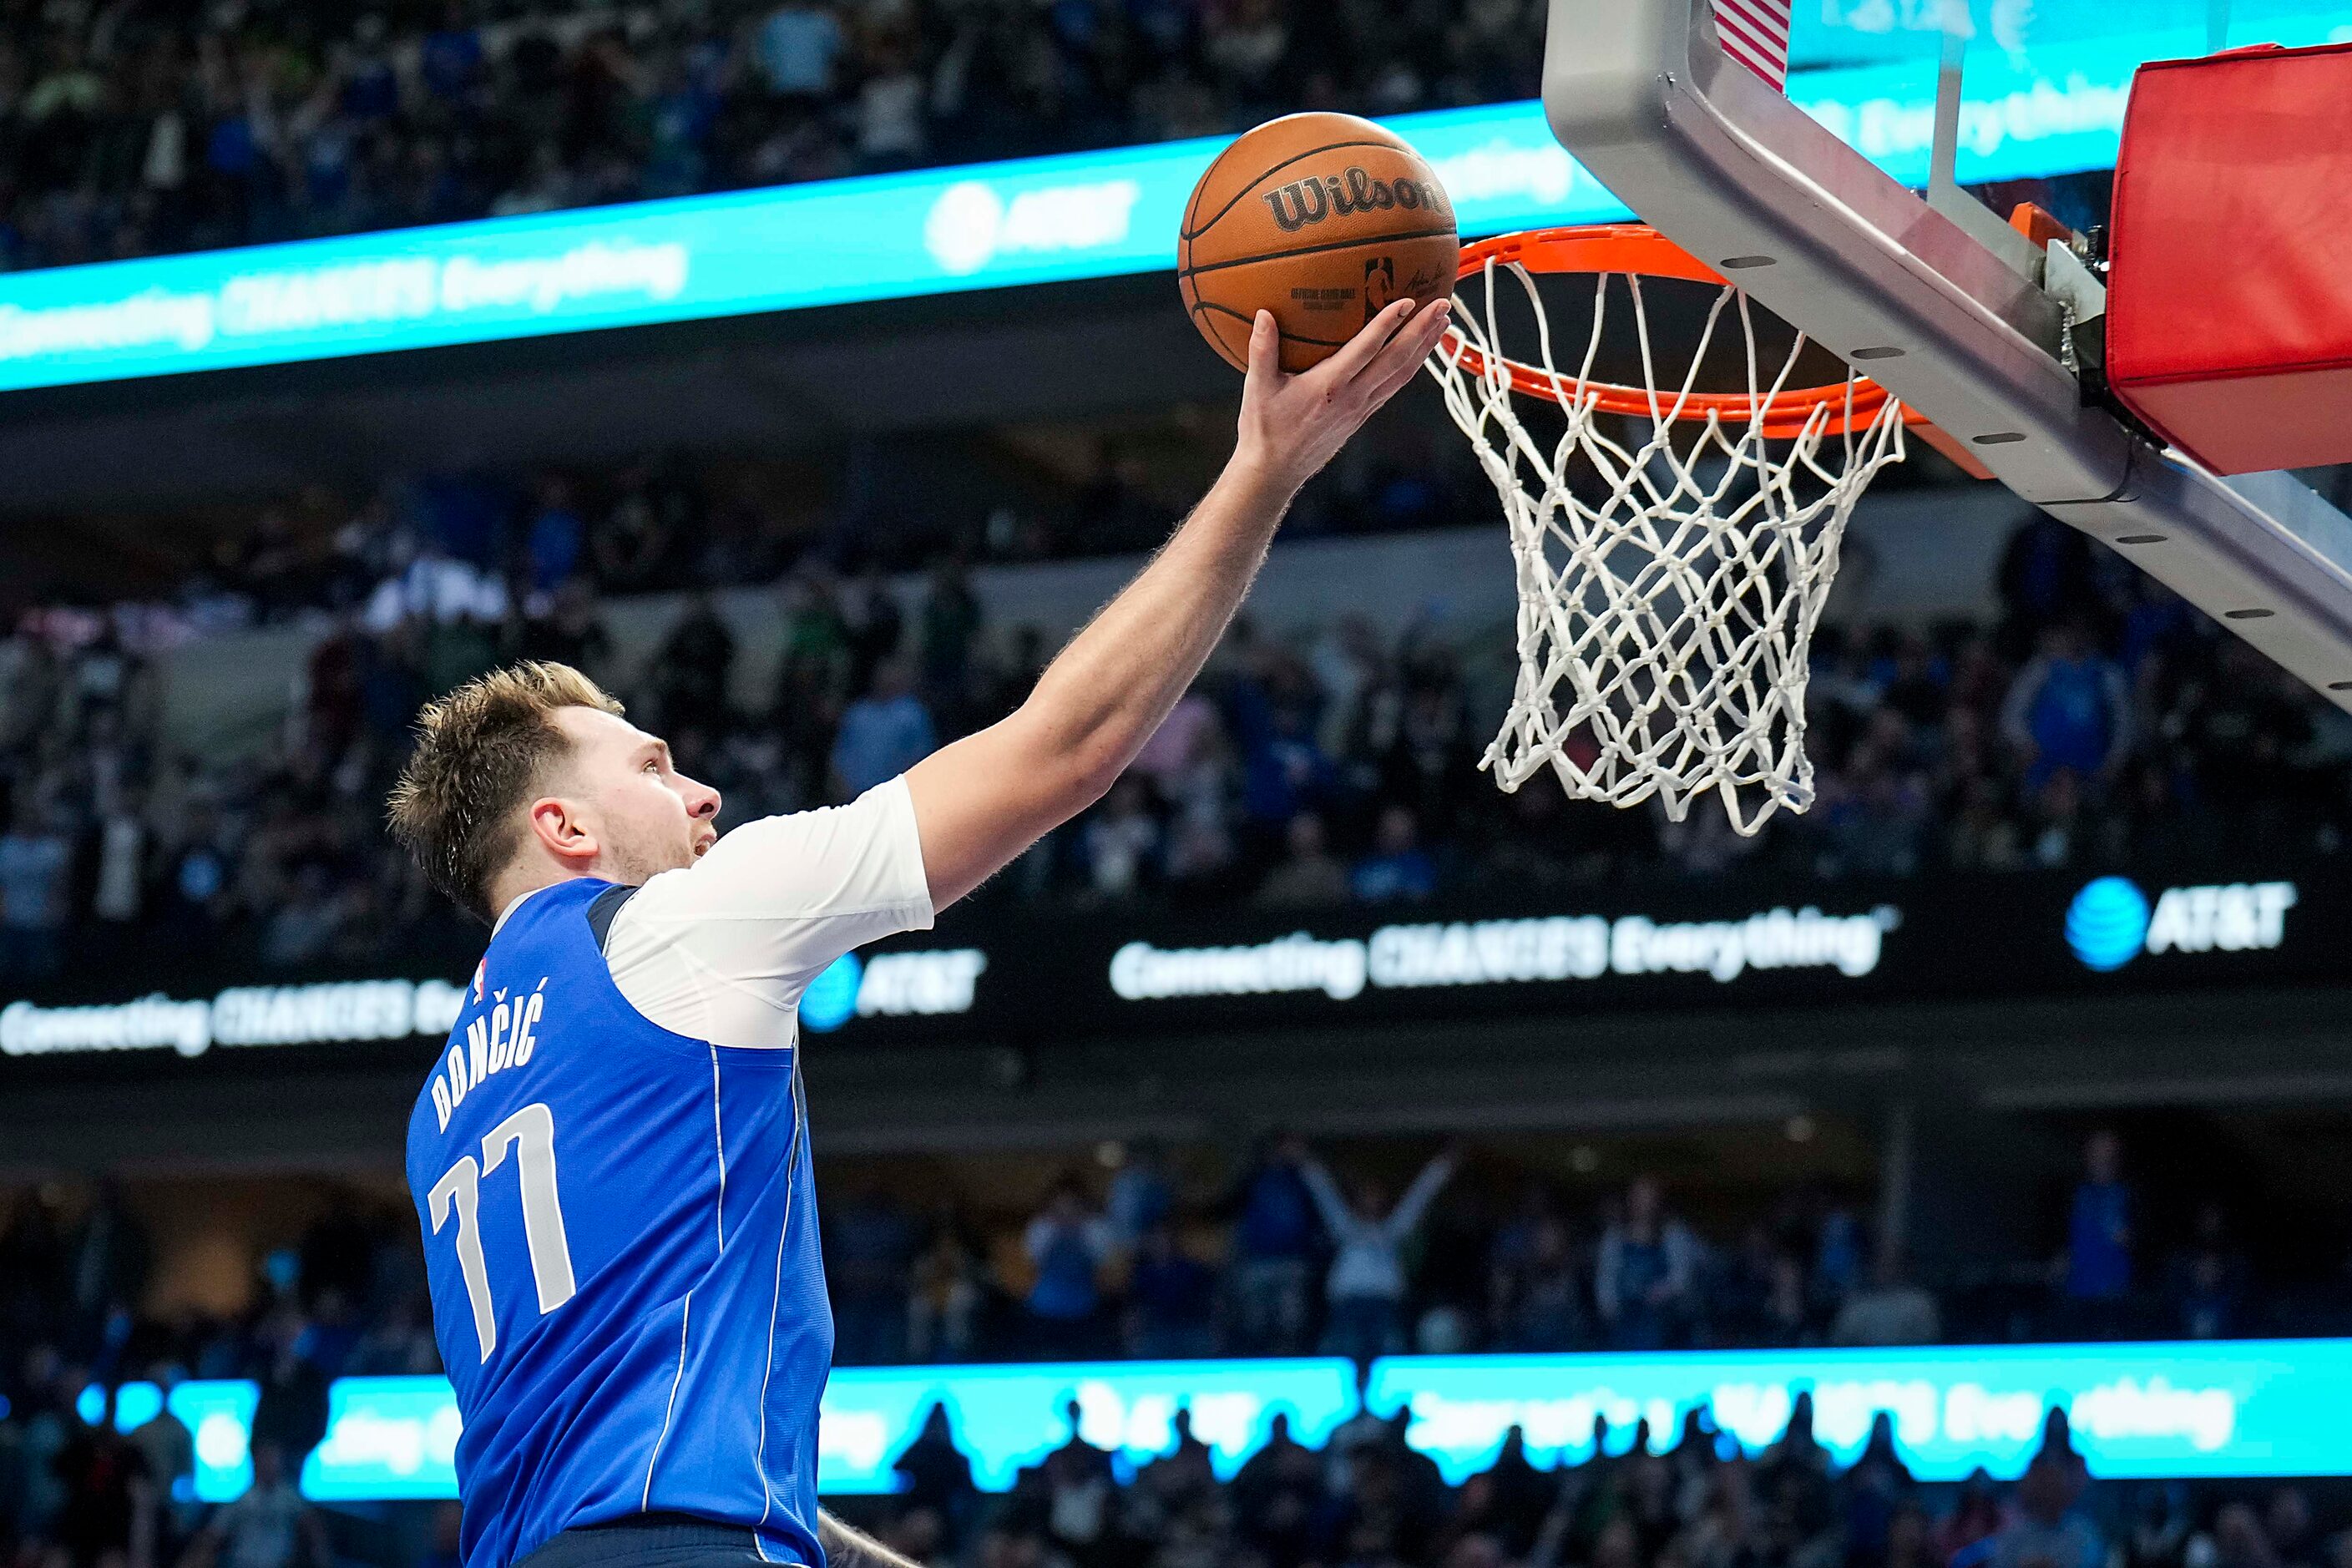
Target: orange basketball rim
(1636, 250)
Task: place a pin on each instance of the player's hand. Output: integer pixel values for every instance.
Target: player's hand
(1293, 425)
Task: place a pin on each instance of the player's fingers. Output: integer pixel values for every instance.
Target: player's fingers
(1397, 380)
(1265, 349)
(1390, 385)
(1365, 346)
(1377, 393)
(1403, 354)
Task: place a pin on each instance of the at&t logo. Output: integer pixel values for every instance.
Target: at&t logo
(891, 985)
(971, 225)
(2111, 922)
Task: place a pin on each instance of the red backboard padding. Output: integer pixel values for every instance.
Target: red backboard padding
(2229, 293)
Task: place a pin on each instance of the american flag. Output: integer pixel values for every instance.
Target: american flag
(1756, 34)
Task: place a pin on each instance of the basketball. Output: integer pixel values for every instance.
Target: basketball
(1323, 219)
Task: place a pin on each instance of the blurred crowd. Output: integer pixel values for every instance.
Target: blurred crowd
(130, 128)
(2096, 722)
(1369, 1498)
(1287, 1255)
(1157, 1253)
(1295, 1255)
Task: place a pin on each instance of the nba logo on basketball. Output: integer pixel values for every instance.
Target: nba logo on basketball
(1380, 285)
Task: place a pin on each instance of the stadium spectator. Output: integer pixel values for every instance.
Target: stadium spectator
(105, 1262)
(944, 1305)
(554, 540)
(2237, 1540)
(1397, 871)
(2046, 1529)
(797, 47)
(2242, 730)
(1172, 1299)
(568, 630)
(1367, 1283)
(167, 1454)
(1538, 1290)
(1968, 1526)
(398, 1344)
(694, 667)
(1890, 1310)
(1142, 1195)
(1175, 748)
(949, 625)
(937, 1475)
(269, 1527)
(1644, 1272)
(2068, 712)
(2158, 1533)
(36, 859)
(1122, 843)
(884, 734)
(2206, 1283)
(1312, 875)
(1067, 1244)
(106, 1511)
(308, 917)
(2097, 1265)
(1274, 1241)
(1284, 769)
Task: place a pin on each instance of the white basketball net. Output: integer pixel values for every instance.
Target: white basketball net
(1668, 591)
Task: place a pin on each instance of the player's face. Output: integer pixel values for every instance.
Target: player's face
(647, 817)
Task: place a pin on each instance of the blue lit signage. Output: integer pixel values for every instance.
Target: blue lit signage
(2142, 1411)
(218, 1414)
(2107, 922)
(1846, 32)
(2052, 110)
(2201, 1410)
(1007, 1417)
(831, 999)
(2110, 921)
(386, 1437)
(397, 1436)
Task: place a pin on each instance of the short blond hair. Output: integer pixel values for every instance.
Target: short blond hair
(481, 752)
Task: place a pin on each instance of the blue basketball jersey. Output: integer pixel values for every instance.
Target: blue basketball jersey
(620, 1229)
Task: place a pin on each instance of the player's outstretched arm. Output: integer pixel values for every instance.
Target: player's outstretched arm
(986, 798)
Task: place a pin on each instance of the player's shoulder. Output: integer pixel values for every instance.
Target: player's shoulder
(553, 910)
(823, 861)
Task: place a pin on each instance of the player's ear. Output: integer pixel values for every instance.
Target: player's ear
(563, 829)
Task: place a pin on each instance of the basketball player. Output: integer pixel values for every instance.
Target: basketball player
(610, 1160)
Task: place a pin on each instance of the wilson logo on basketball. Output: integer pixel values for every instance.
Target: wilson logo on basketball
(1303, 202)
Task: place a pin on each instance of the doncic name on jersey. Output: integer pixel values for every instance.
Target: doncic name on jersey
(501, 1037)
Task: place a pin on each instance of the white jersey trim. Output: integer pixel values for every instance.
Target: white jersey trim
(685, 1320)
(775, 1306)
(719, 1140)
